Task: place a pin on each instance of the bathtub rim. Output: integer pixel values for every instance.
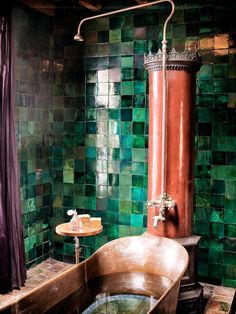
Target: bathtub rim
(60, 276)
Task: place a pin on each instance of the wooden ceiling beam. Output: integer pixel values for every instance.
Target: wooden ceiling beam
(141, 1)
(91, 4)
(41, 6)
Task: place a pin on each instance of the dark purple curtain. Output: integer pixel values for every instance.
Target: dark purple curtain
(12, 262)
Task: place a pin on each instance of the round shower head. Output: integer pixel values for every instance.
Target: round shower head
(78, 37)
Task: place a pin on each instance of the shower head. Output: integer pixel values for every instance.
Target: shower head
(78, 37)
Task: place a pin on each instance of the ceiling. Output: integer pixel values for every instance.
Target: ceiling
(49, 6)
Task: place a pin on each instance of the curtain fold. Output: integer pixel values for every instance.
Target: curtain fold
(12, 260)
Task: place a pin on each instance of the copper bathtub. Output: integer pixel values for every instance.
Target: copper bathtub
(141, 265)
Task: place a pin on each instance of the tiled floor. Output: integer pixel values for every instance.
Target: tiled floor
(219, 298)
(35, 276)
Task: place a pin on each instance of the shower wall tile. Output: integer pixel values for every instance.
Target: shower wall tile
(34, 118)
(82, 122)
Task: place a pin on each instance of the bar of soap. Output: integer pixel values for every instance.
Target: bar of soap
(85, 218)
(95, 222)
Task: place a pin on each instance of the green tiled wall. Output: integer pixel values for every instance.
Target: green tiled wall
(33, 103)
(99, 126)
(108, 165)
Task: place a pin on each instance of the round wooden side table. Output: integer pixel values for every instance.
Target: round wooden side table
(65, 230)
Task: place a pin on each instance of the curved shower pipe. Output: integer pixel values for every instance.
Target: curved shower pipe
(78, 37)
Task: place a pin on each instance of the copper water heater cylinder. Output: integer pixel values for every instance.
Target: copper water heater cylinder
(181, 71)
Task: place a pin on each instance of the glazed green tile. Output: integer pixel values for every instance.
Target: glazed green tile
(229, 215)
(113, 154)
(126, 154)
(136, 220)
(217, 216)
(113, 166)
(127, 74)
(127, 62)
(114, 101)
(114, 36)
(115, 22)
(125, 206)
(202, 213)
(127, 48)
(139, 87)
(230, 230)
(103, 36)
(179, 31)
(201, 227)
(223, 172)
(125, 166)
(127, 88)
(113, 179)
(139, 101)
(127, 34)
(203, 158)
(231, 158)
(139, 154)
(138, 168)
(216, 270)
(203, 200)
(204, 115)
(137, 207)
(139, 114)
(126, 128)
(126, 114)
(126, 101)
(124, 219)
(138, 128)
(138, 141)
(126, 141)
(124, 193)
(114, 114)
(139, 47)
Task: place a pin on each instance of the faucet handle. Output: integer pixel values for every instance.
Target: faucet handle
(157, 219)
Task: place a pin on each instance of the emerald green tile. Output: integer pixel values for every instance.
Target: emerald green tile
(127, 34)
(139, 47)
(124, 193)
(139, 87)
(127, 88)
(230, 230)
(126, 128)
(124, 219)
(137, 207)
(125, 206)
(125, 166)
(113, 179)
(127, 62)
(127, 74)
(126, 154)
(114, 36)
(138, 141)
(126, 114)
(136, 220)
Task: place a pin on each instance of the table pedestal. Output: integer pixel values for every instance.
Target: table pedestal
(65, 230)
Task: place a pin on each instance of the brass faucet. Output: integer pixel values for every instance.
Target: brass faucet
(163, 203)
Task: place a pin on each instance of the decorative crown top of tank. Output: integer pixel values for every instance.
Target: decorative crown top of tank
(185, 60)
